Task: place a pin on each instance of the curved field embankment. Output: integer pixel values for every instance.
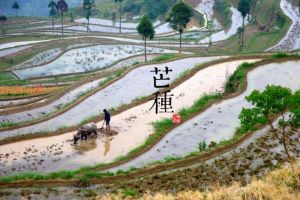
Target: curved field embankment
(138, 87)
(133, 125)
(220, 121)
(181, 163)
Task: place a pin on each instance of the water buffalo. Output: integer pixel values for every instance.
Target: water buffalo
(85, 132)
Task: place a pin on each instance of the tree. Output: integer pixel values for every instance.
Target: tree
(16, 7)
(62, 7)
(210, 28)
(294, 107)
(180, 17)
(244, 9)
(3, 19)
(87, 7)
(71, 16)
(113, 18)
(240, 32)
(146, 29)
(120, 12)
(273, 101)
(53, 11)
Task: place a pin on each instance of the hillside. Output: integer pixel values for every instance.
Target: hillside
(31, 7)
(103, 8)
(130, 8)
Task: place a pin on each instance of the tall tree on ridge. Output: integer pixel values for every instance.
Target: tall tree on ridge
(62, 7)
(120, 12)
(53, 11)
(3, 19)
(146, 29)
(87, 7)
(244, 9)
(16, 7)
(179, 17)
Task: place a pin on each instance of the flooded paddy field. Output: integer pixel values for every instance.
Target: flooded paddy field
(260, 156)
(221, 120)
(137, 83)
(86, 59)
(133, 126)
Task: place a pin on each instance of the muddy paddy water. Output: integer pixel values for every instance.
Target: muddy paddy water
(39, 112)
(137, 83)
(133, 126)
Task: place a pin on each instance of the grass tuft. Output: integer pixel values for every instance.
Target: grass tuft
(164, 57)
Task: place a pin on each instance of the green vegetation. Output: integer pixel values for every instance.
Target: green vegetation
(52, 12)
(237, 80)
(280, 55)
(274, 100)
(164, 57)
(267, 27)
(91, 174)
(3, 18)
(62, 7)
(244, 9)
(264, 12)
(153, 8)
(6, 76)
(105, 9)
(59, 79)
(120, 14)
(146, 30)
(179, 17)
(87, 8)
(16, 7)
(7, 124)
(9, 62)
(162, 126)
(260, 41)
(202, 146)
(13, 82)
(223, 8)
(85, 173)
(129, 193)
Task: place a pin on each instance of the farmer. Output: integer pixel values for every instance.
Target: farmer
(107, 119)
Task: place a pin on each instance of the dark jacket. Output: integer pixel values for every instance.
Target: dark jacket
(107, 116)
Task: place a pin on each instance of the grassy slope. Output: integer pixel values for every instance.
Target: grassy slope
(259, 35)
(9, 62)
(6, 76)
(255, 42)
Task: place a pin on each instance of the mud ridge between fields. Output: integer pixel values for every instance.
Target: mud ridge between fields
(162, 167)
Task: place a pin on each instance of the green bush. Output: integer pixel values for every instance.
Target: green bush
(202, 146)
(164, 57)
(129, 192)
(223, 8)
(236, 80)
